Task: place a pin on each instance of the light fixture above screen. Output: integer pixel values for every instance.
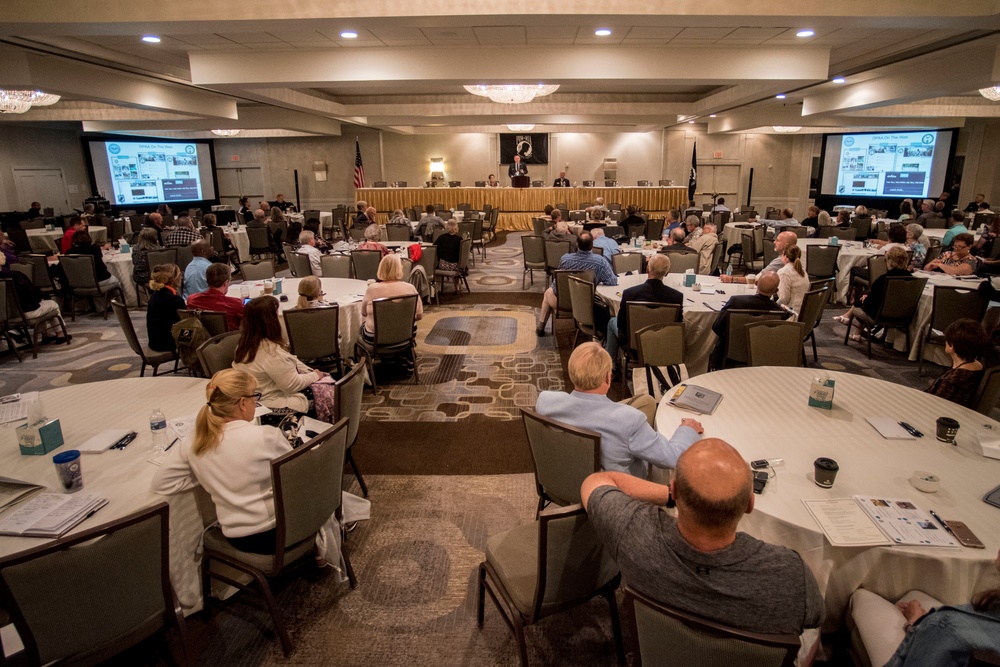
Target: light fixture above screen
(512, 93)
(992, 93)
(786, 129)
(521, 127)
(225, 133)
(19, 101)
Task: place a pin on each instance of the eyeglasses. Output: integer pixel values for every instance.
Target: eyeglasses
(255, 396)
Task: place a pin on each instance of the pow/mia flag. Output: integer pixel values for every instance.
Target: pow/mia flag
(533, 148)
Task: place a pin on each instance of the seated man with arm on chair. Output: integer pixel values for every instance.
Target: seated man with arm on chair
(698, 562)
(601, 241)
(781, 241)
(194, 275)
(214, 297)
(309, 249)
(675, 242)
(583, 259)
(629, 443)
(704, 245)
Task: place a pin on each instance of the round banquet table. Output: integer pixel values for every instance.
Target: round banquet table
(42, 240)
(783, 425)
(343, 291)
(123, 477)
(733, 233)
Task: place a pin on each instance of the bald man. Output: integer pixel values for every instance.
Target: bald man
(763, 300)
(698, 562)
(781, 241)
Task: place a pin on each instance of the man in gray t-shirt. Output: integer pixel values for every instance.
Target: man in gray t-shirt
(698, 562)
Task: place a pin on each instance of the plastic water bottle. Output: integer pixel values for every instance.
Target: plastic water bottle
(729, 270)
(158, 429)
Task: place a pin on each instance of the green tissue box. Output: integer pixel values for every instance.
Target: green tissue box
(40, 438)
(821, 393)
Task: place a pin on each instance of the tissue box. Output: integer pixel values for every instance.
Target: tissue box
(821, 394)
(40, 438)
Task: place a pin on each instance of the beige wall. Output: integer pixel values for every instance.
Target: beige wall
(22, 146)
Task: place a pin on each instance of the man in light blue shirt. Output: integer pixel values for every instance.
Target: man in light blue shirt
(583, 259)
(603, 242)
(194, 275)
(957, 227)
(629, 443)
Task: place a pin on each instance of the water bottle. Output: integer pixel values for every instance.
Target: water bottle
(158, 429)
(729, 270)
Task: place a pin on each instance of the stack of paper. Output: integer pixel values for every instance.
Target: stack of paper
(50, 514)
(13, 491)
(103, 441)
(869, 521)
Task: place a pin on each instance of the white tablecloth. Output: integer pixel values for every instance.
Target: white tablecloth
(733, 234)
(343, 291)
(852, 253)
(120, 266)
(700, 312)
(42, 240)
(123, 477)
(325, 220)
(764, 415)
(934, 353)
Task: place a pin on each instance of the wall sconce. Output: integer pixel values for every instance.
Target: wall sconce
(320, 170)
(437, 168)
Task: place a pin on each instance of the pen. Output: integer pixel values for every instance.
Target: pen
(940, 520)
(124, 442)
(171, 444)
(912, 431)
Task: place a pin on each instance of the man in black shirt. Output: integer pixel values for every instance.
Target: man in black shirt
(516, 168)
(562, 181)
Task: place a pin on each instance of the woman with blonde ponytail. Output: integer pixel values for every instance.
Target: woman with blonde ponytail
(231, 458)
(793, 281)
(310, 293)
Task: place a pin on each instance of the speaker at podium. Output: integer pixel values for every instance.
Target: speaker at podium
(520, 181)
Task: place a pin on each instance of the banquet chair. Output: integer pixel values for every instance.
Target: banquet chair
(184, 256)
(12, 317)
(533, 251)
(214, 321)
(775, 343)
(217, 238)
(564, 303)
(546, 567)
(717, 254)
(477, 239)
(299, 265)
(40, 276)
(810, 314)
(828, 231)
(464, 252)
(538, 184)
(538, 226)
(641, 315)
(562, 457)
(260, 241)
(149, 357)
(397, 232)
(577, 216)
(936, 223)
(335, 266)
(682, 261)
(623, 262)
(356, 234)
(769, 252)
(950, 304)
(751, 247)
(6, 314)
(310, 213)
(365, 263)
(821, 261)
(158, 257)
(588, 184)
(313, 336)
(581, 295)
(479, 184)
(116, 229)
(876, 269)
(988, 392)
(262, 269)
(218, 352)
(741, 217)
(395, 333)
(428, 262)
(348, 392)
(307, 484)
(81, 275)
(654, 228)
(668, 637)
(899, 306)
(660, 345)
(736, 338)
(613, 231)
(136, 222)
(77, 600)
(491, 228)
(862, 226)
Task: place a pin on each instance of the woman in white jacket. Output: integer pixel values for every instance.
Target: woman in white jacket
(282, 379)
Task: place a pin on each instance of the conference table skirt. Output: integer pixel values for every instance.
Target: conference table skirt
(782, 425)
(42, 240)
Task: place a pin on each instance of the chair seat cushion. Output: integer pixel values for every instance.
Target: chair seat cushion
(514, 556)
(217, 542)
(534, 265)
(87, 291)
(879, 623)
(154, 358)
(385, 349)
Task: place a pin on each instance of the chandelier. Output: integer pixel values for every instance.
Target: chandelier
(226, 133)
(785, 129)
(19, 101)
(992, 93)
(521, 127)
(512, 93)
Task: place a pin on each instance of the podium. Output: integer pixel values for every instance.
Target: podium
(520, 181)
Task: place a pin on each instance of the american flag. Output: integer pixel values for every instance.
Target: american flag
(359, 167)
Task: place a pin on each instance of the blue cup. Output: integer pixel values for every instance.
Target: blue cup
(689, 279)
(833, 241)
(69, 471)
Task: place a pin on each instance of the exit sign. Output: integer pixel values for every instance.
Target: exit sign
(717, 154)
(236, 158)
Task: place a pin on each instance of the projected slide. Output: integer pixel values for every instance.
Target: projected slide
(896, 164)
(147, 173)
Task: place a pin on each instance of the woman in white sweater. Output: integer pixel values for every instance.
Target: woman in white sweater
(282, 379)
(231, 458)
(793, 281)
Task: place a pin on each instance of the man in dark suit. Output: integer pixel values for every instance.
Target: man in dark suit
(562, 181)
(516, 168)
(652, 290)
(675, 242)
(763, 300)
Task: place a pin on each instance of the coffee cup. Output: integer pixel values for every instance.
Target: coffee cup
(68, 469)
(751, 279)
(268, 287)
(826, 471)
(947, 429)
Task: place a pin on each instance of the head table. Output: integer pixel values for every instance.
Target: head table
(764, 414)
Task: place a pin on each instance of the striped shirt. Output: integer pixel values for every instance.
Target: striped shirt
(583, 260)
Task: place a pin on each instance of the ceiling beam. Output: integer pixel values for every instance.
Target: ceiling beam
(250, 118)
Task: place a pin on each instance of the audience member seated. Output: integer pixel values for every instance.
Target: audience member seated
(148, 240)
(88, 212)
(907, 635)
(312, 225)
(897, 263)
(429, 223)
(372, 237)
(245, 214)
(977, 205)
(704, 244)
(965, 341)
(283, 380)
(767, 287)
(492, 182)
(33, 303)
(720, 206)
(843, 218)
(164, 302)
(194, 275)
(581, 260)
(608, 245)
(633, 219)
(310, 293)
(82, 245)
(560, 232)
(155, 221)
(35, 211)
(823, 219)
(793, 283)
(398, 219)
(905, 211)
(897, 239)
(987, 240)
(788, 218)
(653, 290)
(307, 247)
(781, 241)
(671, 222)
(449, 248)
(812, 219)
(917, 243)
(598, 205)
(292, 234)
(956, 226)
(390, 284)
(259, 219)
(629, 443)
(9, 252)
(698, 562)
(692, 225)
(230, 457)
(214, 297)
(675, 242)
(76, 224)
(365, 218)
(926, 212)
(958, 262)
(280, 203)
(182, 234)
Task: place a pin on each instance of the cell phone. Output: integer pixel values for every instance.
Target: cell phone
(247, 300)
(759, 464)
(759, 481)
(964, 535)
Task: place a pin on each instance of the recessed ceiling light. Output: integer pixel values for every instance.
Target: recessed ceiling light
(602, 32)
(805, 33)
(780, 96)
(711, 115)
(691, 122)
(839, 79)
(152, 39)
(349, 34)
